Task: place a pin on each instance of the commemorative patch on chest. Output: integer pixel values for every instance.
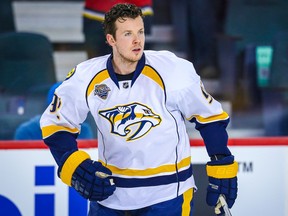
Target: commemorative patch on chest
(101, 91)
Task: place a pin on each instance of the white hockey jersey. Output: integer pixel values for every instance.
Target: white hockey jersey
(142, 137)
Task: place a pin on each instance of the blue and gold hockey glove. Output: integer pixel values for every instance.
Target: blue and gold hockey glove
(89, 178)
(222, 176)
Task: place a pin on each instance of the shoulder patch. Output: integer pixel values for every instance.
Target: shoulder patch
(70, 73)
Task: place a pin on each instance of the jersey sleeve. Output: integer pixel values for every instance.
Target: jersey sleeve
(61, 121)
(199, 107)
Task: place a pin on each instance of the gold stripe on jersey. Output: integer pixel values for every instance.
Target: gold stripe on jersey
(100, 77)
(51, 129)
(200, 119)
(152, 74)
(186, 206)
(168, 168)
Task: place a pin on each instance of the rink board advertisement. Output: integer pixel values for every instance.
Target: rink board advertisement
(30, 186)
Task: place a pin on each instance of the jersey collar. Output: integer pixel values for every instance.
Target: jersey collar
(139, 68)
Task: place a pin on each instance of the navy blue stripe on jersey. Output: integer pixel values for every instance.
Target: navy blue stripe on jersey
(139, 68)
(214, 135)
(61, 142)
(153, 181)
(111, 71)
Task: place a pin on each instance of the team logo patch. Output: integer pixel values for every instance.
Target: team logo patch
(71, 73)
(131, 121)
(101, 91)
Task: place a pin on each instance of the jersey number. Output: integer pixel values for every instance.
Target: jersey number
(56, 103)
(208, 97)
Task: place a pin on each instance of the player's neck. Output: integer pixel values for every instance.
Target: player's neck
(123, 67)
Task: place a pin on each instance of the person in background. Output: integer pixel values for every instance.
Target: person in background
(196, 24)
(30, 130)
(139, 101)
(93, 17)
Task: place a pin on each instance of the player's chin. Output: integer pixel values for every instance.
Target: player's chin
(136, 56)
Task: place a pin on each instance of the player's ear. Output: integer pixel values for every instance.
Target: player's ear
(110, 39)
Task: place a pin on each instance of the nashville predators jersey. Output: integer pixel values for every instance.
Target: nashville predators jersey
(142, 137)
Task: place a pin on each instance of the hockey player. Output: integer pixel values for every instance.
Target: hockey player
(93, 16)
(139, 100)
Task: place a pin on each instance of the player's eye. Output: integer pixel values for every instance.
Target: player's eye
(127, 34)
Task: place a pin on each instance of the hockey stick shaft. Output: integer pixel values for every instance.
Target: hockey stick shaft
(104, 175)
(224, 205)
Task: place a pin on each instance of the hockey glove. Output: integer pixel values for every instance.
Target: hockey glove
(80, 172)
(222, 176)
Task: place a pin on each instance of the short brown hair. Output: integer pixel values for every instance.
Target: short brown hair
(119, 12)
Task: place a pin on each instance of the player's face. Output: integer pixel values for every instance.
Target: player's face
(129, 40)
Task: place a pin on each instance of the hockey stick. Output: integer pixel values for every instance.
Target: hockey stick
(104, 175)
(222, 203)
